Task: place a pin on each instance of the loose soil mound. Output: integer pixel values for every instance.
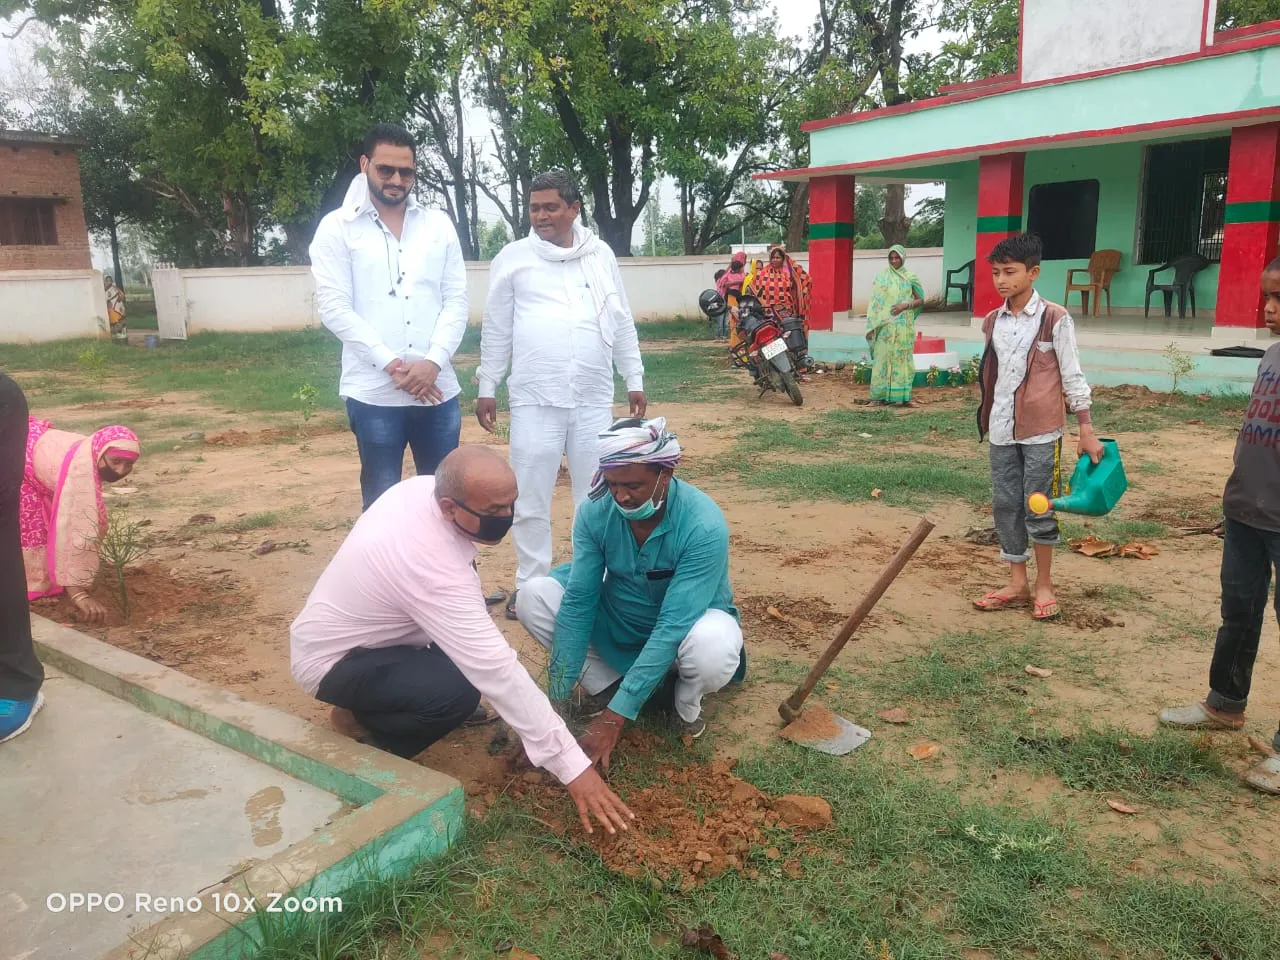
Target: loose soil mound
(245, 438)
(155, 596)
(693, 824)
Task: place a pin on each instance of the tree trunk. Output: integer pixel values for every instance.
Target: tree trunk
(894, 225)
(115, 253)
(798, 221)
(686, 219)
(297, 235)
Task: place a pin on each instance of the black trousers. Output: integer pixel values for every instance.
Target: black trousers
(20, 671)
(1248, 556)
(407, 697)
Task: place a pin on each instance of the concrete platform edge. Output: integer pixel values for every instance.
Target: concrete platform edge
(404, 812)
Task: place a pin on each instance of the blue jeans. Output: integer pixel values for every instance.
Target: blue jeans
(382, 433)
(1248, 555)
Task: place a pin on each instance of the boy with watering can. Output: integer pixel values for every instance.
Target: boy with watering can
(1029, 367)
(1251, 504)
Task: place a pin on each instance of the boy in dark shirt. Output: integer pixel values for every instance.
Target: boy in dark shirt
(1251, 504)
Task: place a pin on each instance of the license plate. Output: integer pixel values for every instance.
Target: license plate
(773, 348)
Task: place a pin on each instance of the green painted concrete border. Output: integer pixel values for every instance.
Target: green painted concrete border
(402, 812)
(999, 224)
(396, 853)
(831, 231)
(1254, 211)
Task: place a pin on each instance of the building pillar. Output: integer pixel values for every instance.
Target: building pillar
(830, 249)
(1251, 235)
(999, 217)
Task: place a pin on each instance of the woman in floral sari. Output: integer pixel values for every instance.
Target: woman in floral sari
(896, 299)
(115, 309)
(62, 513)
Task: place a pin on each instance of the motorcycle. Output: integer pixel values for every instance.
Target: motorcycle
(772, 348)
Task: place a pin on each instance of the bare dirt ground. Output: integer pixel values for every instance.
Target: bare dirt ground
(208, 604)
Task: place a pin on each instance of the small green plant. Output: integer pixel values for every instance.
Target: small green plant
(862, 371)
(931, 377)
(92, 360)
(124, 543)
(1180, 363)
(307, 397)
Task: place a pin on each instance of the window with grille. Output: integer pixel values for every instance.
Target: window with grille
(1065, 216)
(1184, 200)
(25, 221)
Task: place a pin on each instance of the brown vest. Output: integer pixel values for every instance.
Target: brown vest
(1039, 405)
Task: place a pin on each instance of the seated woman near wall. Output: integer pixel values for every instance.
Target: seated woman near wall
(63, 515)
(896, 299)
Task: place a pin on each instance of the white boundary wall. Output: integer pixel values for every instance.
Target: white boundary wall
(256, 299)
(41, 305)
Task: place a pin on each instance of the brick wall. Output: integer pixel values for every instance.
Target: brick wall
(46, 170)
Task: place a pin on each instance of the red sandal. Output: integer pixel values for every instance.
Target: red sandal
(993, 602)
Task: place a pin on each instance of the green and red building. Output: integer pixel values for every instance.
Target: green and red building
(1129, 126)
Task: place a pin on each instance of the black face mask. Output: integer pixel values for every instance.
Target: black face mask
(492, 529)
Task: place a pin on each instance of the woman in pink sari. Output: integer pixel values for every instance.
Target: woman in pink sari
(63, 514)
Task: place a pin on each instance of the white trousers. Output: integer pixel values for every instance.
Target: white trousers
(540, 437)
(706, 662)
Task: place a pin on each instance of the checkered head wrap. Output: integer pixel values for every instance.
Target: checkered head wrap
(635, 441)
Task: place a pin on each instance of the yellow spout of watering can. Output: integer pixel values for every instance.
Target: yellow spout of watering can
(1095, 487)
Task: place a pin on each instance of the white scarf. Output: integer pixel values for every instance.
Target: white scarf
(594, 255)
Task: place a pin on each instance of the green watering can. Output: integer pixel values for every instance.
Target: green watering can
(1095, 487)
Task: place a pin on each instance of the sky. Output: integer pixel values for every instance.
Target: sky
(795, 18)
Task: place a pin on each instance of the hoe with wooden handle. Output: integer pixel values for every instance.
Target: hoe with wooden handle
(849, 736)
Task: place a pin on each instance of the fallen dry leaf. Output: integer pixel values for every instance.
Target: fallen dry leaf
(706, 940)
(1261, 746)
(925, 751)
(896, 715)
(1040, 672)
(201, 520)
(832, 686)
(1093, 546)
(518, 954)
(875, 494)
(1119, 807)
(262, 549)
(1139, 551)
(777, 614)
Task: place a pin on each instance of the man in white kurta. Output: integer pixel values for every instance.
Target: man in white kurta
(557, 317)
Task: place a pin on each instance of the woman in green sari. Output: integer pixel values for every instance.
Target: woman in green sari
(896, 299)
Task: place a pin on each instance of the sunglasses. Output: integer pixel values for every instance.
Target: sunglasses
(386, 171)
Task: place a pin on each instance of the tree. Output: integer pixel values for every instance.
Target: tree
(619, 79)
(1233, 14)
(927, 224)
(492, 239)
(663, 235)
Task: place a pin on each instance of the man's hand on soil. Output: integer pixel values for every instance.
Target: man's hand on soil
(594, 799)
(601, 737)
(419, 379)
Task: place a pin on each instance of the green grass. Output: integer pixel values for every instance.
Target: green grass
(262, 372)
(908, 862)
(907, 479)
(1114, 529)
(1174, 409)
(254, 521)
(1109, 760)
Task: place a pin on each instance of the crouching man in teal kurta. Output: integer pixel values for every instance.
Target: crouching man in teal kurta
(647, 593)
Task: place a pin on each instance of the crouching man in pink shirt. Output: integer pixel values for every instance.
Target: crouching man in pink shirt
(396, 635)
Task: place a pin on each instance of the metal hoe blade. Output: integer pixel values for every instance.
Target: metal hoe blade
(846, 738)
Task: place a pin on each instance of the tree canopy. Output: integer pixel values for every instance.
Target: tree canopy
(224, 129)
